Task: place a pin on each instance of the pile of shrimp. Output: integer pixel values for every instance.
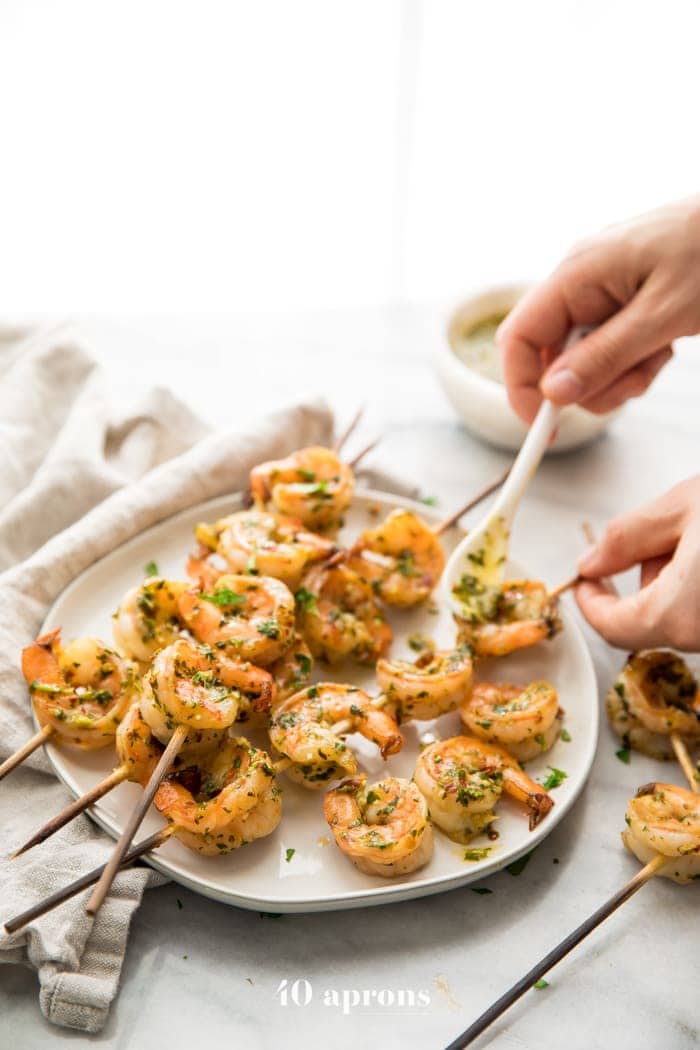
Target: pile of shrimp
(232, 648)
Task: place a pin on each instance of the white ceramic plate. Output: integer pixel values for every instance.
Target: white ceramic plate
(318, 877)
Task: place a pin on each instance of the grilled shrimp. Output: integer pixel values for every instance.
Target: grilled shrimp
(312, 485)
(250, 617)
(655, 695)
(261, 543)
(302, 729)
(514, 615)
(436, 683)
(82, 689)
(225, 800)
(524, 719)
(339, 617)
(291, 672)
(148, 618)
(663, 818)
(402, 558)
(138, 750)
(463, 778)
(199, 687)
(385, 829)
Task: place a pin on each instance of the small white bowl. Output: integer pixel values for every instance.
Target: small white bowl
(481, 402)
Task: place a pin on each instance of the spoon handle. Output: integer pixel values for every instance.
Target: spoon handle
(528, 460)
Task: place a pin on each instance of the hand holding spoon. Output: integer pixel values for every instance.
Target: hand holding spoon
(475, 567)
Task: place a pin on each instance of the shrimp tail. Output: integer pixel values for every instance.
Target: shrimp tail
(647, 789)
(391, 745)
(50, 639)
(539, 805)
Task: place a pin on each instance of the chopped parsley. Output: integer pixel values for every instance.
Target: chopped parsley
(225, 596)
(624, 755)
(270, 628)
(518, 866)
(305, 599)
(539, 985)
(554, 778)
(288, 854)
(480, 889)
(151, 569)
(565, 735)
(477, 853)
(430, 501)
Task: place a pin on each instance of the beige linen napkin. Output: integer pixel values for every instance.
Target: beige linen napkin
(79, 476)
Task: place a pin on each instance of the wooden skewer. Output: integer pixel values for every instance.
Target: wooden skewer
(685, 761)
(348, 430)
(71, 811)
(19, 756)
(365, 451)
(473, 502)
(566, 586)
(112, 867)
(678, 744)
(151, 843)
(49, 903)
(557, 954)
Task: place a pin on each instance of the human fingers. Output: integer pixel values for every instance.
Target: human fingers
(632, 384)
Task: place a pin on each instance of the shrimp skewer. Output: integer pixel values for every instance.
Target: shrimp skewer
(524, 719)
(148, 618)
(435, 684)
(261, 543)
(312, 485)
(500, 619)
(250, 617)
(339, 617)
(463, 778)
(663, 830)
(385, 829)
(138, 751)
(656, 681)
(181, 695)
(80, 692)
(306, 728)
(402, 559)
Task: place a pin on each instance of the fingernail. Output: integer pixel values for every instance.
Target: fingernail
(587, 559)
(562, 386)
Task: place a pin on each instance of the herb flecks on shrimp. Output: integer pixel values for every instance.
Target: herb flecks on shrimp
(524, 719)
(148, 618)
(225, 799)
(250, 617)
(201, 688)
(82, 690)
(431, 686)
(655, 695)
(312, 485)
(498, 619)
(259, 543)
(303, 729)
(339, 617)
(462, 780)
(402, 559)
(665, 819)
(383, 829)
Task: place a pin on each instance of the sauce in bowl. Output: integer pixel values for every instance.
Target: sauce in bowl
(475, 346)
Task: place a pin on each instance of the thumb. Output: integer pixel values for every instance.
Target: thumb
(597, 360)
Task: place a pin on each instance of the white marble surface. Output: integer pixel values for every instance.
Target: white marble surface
(204, 972)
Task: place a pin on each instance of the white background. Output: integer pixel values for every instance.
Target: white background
(220, 156)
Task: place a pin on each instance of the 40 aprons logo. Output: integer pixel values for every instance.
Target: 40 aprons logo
(300, 992)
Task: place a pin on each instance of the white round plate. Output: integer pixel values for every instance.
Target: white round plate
(318, 877)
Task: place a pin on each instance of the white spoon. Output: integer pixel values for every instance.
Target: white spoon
(476, 564)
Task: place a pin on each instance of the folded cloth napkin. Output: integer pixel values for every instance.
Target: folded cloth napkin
(79, 476)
